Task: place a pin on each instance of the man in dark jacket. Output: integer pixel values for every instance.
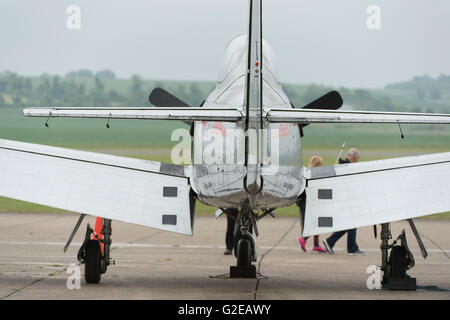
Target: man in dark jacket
(352, 247)
(229, 236)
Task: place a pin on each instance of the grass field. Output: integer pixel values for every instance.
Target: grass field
(151, 140)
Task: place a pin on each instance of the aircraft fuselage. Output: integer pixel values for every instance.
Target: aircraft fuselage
(222, 166)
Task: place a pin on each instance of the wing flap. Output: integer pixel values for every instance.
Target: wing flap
(129, 190)
(376, 192)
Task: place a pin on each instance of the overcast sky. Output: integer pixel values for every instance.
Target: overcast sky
(315, 41)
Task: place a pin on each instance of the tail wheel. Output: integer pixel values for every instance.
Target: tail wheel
(244, 252)
(398, 262)
(92, 263)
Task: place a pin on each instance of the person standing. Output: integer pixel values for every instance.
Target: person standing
(352, 246)
(232, 215)
(315, 161)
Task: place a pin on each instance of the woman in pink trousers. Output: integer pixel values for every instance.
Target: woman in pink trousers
(315, 161)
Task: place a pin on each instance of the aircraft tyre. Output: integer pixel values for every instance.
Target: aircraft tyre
(398, 262)
(244, 252)
(92, 263)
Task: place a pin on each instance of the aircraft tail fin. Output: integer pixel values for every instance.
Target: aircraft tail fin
(253, 94)
(254, 99)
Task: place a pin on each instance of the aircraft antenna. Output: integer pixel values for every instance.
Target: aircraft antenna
(401, 132)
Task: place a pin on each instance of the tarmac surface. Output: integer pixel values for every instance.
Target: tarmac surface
(152, 264)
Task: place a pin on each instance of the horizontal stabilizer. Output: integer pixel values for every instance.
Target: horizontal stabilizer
(230, 114)
(306, 116)
(179, 114)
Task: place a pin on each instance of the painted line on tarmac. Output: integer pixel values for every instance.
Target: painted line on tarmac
(175, 246)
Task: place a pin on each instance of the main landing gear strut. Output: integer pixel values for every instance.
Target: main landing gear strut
(95, 250)
(400, 259)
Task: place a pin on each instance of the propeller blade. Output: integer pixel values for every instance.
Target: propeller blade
(330, 101)
(161, 98)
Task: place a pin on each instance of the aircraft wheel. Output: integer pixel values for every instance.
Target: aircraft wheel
(92, 263)
(398, 262)
(236, 240)
(239, 237)
(244, 252)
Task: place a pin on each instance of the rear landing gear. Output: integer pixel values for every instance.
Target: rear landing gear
(244, 253)
(244, 245)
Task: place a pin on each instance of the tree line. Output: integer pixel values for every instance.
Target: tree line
(356, 99)
(425, 87)
(85, 88)
(74, 90)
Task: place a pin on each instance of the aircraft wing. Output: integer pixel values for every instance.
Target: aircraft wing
(368, 193)
(221, 114)
(307, 116)
(136, 191)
